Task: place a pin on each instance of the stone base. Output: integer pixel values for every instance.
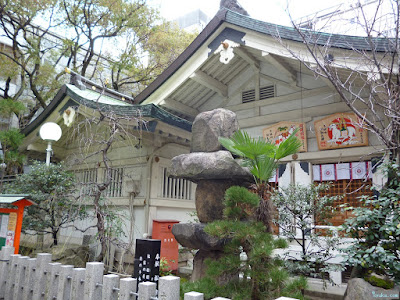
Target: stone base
(359, 289)
(199, 265)
(210, 196)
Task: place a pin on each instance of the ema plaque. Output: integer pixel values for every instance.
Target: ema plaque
(340, 130)
(279, 132)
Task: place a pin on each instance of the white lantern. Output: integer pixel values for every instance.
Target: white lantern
(50, 132)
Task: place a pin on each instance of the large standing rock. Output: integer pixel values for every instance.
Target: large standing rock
(209, 126)
(203, 165)
(359, 289)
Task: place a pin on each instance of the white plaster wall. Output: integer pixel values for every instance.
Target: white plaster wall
(286, 178)
(301, 177)
(182, 215)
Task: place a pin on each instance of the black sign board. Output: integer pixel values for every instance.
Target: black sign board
(147, 260)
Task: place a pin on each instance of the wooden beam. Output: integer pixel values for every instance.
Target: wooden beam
(328, 83)
(279, 81)
(294, 114)
(243, 53)
(179, 107)
(211, 83)
(288, 97)
(324, 79)
(335, 155)
(280, 65)
(257, 86)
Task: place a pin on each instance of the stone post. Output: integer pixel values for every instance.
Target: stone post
(168, 288)
(5, 254)
(110, 287)
(20, 277)
(127, 288)
(12, 272)
(147, 290)
(53, 280)
(93, 280)
(194, 296)
(78, 283)
(41, 275)
(64, 283)
(30, 279)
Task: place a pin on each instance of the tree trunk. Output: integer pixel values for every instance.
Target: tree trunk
(55, 240)
(264, 210)
(100, 227)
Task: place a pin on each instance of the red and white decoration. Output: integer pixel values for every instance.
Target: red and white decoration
(328, 172)
(333, 172)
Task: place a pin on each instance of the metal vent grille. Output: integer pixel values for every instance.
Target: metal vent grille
(248, 96)
(265, 93)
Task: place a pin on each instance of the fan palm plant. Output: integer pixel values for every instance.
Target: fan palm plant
(262, 158)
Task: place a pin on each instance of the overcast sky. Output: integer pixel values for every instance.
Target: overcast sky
(274, 11)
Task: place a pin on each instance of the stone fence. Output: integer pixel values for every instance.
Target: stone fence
(24, 278)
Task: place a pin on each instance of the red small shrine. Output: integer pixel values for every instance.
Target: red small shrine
(11, 219)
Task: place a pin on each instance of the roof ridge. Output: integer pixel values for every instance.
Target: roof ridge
(82, 83)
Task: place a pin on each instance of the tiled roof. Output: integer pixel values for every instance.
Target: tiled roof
(320, 38)
(94, 100)
(284, 32)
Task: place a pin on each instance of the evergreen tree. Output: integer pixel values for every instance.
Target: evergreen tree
(52, 189)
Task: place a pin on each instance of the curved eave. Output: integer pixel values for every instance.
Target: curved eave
(61, 94)
(147, 111)
(287, 33)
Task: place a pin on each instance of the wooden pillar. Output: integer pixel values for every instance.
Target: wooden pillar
(18, 228)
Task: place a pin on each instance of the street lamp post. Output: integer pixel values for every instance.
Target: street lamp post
(50, 132)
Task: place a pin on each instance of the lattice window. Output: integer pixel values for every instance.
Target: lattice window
(86, 179)
(115, 187)
(351, 190)
(175, 188)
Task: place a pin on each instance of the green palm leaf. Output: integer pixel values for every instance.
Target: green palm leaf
(289, 146)
(260, 156)
(243, 145)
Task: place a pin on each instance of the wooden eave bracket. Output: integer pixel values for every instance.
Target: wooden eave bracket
(281, 66)
(211, 83)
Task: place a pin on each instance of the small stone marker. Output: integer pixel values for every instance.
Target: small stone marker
(194, 296)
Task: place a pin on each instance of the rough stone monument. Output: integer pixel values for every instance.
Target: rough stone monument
(214, 170)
